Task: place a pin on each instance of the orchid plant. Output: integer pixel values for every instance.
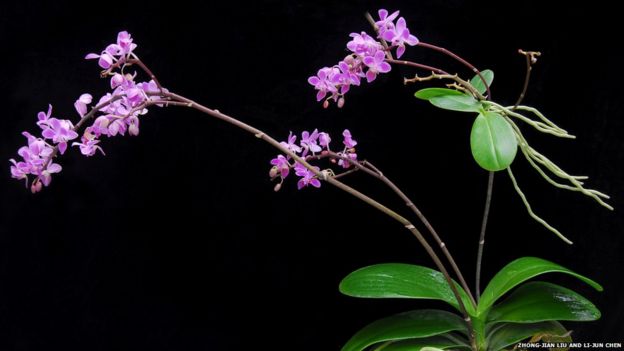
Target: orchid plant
(508, 310)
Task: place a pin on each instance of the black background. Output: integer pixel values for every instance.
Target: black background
(175, 240)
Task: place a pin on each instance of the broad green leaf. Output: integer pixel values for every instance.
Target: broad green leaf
(540, 301)
(510, 333)
(519, 271)
(398, 280)
(407, 325)
(461, 103)
(444, 341)
(492, 141)
(429, 93)
(477, 82)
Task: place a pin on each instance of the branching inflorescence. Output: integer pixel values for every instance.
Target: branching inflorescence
(116, 113)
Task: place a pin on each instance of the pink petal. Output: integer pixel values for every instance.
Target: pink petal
(412, 40)
(389, 35)
(315, 183)
(370, 76)
(401, 25)
(85, 98)
(105, 61)
(62, 147)
(400, 50)
(393, 15)
(320, 95)
(368, 60)
(379, 56)
(46, 178)
(91, 56)
(54, 168)
(48, 133)
(313, 80)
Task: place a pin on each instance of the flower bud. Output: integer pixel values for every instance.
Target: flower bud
(35, 187)
(277, 187)
(273, 172)
(325, 104)
(341, 102)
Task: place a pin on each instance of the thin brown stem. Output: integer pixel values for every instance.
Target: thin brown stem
(461, 60)
(338, 184)
(140, 63)
(531, 58)
(484, 222)
(370, 20)
(417, 65)
(370, 169)
(78, 125)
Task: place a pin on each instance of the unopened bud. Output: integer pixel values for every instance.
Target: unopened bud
(277, 187)
(326, 104)
(133, 129)
(273, 172)
(35, 187)
(340, 102)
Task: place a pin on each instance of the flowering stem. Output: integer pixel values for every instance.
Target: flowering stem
(335, 182)
(461, 60)
(531, 58)
(370, 20)
(417, 65)
(140, 63)
(373, 171)
(488, 197)
(82, 121)
(486, 214)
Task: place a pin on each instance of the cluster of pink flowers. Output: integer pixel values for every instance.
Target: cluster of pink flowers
(118, 111)
(312, 146)
(367, 59)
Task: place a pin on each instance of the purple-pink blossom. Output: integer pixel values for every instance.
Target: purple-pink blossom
(348, 141)
(309, 141)
(120, 50)
(385, 22)
(399, 36)
(290, 143)
(368, 58)
(281, 166)
(88, 147)
(81, 104)
(307, 177)
(376, 64)
(35, 161)
(117, 113)
(319, 144)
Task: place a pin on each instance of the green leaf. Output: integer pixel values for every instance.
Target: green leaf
(444, 341)
(493, 141)
(519, 271)
(429, 93)
(510, 333)
(477, 82)
(450, 99)
(540, 301)
(461, 103)
(407, 325)
(398, 280)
